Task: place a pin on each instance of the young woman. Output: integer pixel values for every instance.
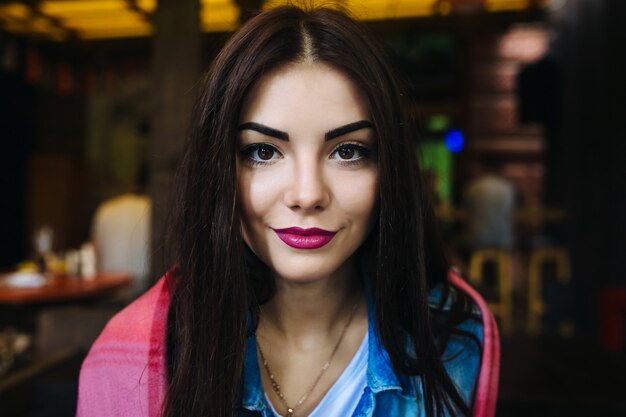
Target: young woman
(309, 277)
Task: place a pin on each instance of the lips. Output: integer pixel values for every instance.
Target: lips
(312, 238)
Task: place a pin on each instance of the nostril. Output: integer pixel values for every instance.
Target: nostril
(307, 200)
(307, 189)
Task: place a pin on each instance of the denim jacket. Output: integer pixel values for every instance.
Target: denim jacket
(386, 394)
(124, 374)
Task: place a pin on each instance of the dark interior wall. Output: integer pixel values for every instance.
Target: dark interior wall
(16, 140)
(591, 148)
(617, 151)
(175, 72)
(43, 177)
(58, 178)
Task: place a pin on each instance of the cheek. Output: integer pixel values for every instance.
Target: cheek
(256, 195)
(358, 196)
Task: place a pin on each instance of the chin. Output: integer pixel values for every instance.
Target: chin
(302, 272)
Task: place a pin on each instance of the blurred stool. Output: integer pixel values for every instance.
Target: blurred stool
(613, 318)
(501, 259)
(536, 305)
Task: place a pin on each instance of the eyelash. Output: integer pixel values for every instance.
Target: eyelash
(364, 152)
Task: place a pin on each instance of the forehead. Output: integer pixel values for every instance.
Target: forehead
(304, 93)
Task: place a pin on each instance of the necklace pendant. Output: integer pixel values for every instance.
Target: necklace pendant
(289, 412)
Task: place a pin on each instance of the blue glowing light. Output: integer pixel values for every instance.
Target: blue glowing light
(454, 140)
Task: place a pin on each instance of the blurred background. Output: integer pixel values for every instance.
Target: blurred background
(522, 114)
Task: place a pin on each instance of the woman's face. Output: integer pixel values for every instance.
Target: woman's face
(306, 170)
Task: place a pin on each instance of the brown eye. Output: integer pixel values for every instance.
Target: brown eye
(265, 153)
(350, 153)
(261, 153)
(346, 152)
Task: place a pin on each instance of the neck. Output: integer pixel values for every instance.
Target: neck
(299, 311)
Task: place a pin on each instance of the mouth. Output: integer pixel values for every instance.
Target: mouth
(299, 238)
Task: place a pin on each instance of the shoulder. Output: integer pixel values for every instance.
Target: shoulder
(474, 367)
(135, 322)
(462, 356)
(125, 366)
(486, 385)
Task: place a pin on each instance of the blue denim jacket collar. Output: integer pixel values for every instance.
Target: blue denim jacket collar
(253, 395)
(380, 374)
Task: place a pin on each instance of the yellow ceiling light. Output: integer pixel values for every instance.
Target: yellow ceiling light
(126, 25)
(387, 10)
(114, 33)
(99, 19)
(18, 18)
(218, 15)
(108, 14)
(216, 3)
(37, 28)
(148, 6)
(14, 11)
(104, 24)
(96, 19)
(123, 14)
(40, 24)
(77, 8)
(506, 5)
(16, 27)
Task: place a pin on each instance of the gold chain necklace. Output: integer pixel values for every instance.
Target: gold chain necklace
(276, 386)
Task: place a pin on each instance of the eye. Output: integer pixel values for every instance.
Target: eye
(349, 152)
(261, 153)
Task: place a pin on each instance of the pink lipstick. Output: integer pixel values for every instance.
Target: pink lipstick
(299, 238)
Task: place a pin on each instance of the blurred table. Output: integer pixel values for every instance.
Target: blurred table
(59, 316)
(58, 288)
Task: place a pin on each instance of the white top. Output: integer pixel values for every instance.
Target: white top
(121, 234)
(490, 201)
(343, 397)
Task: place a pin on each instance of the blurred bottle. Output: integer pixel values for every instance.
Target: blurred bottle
(87, 261)
(42, 240)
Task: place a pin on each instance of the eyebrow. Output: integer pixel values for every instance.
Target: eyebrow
(351, 127)
(331, 134)
(266, 130)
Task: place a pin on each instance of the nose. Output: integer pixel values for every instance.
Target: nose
(307, 190)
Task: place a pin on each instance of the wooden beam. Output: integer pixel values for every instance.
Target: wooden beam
(249, 9)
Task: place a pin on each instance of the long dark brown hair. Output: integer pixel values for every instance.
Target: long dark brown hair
(219, 282)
